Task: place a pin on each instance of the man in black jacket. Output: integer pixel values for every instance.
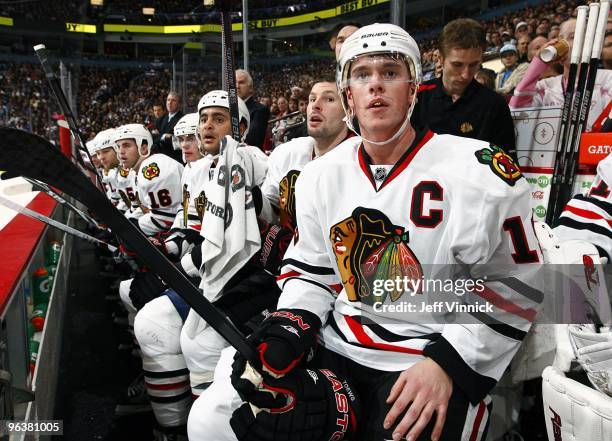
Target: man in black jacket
(258, 112)
(456, 104)
(166, 128)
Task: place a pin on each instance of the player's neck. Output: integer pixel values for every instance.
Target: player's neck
(324, 145)
(388, 154)
(135, 167)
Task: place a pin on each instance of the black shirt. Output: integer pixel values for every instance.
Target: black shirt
(479, 113)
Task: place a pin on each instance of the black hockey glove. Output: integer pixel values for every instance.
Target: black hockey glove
(285, 338)
(145, 287)
(274, 242)
(308, 405)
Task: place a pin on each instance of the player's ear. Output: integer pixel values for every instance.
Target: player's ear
(243, 128)
(145, 148)
(349, 99)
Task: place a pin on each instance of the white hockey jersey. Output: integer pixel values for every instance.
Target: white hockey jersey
(158, 182)
(126, 187)
(448, 200)
(589, 217)
(109, 180)
(284, 166)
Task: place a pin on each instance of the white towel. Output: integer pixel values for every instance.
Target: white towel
(231, 231)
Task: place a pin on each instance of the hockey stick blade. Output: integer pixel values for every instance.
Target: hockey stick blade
(28, 155)
(56, 224)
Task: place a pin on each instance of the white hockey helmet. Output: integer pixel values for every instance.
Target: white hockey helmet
(138, 133)
(187, 125)
(219, 98)
(104, 140)
(92, 145)
(377, 38)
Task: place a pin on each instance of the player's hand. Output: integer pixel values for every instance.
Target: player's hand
(419, 392)
(306, 404)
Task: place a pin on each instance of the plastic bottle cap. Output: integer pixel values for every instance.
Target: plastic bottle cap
(38, 323)
(42, 271)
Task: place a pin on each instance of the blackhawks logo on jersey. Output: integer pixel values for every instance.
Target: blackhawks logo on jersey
(286, 189)
(150, 171)
(123, 172)
(368, 247)
(500, 163)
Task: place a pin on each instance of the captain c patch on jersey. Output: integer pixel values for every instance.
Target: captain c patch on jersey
(500, 163)
(368, 247)
(150, 171)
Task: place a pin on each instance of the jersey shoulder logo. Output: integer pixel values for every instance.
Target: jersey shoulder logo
(500, 163)
(237, 177)
(123, 172)
(150, 171)
(466, 127)
(368, 247)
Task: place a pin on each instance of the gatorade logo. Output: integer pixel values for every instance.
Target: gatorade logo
(599, 149)
(540, 211)
(543, 181)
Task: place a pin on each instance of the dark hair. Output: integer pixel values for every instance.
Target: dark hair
(462, 33)
(488, 76)
(334, 32)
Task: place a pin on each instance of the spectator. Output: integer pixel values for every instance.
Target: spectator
(534, 46)
(496, 42)
(606, 52)
(523, 47)
(259, 113)
(456, 103)
(550, 91)
(554, 32)
(158, 113)
(521, 30)
(512, 72)
(166, 130)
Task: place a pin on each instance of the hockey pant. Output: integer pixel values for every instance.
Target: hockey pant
(158, 329)
(250, 292)
(124, 294)
(210, 414)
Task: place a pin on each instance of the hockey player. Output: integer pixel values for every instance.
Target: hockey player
(326, 130)
(107, 155)
(589, 217)
(158, 324)
(157, 178)
(376, 206)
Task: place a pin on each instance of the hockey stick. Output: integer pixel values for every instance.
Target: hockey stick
(229, 67)
(52, 222)
(25, 154)
(52, 193)
(593, 51)
(564, 128)
(41, 53)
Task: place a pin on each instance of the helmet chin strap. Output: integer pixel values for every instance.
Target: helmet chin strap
(398, 134)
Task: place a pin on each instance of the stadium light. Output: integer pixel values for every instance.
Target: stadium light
(96, 2)
(209, 2)
(148, 11)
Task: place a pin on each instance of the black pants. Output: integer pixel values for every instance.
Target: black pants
(373, 387)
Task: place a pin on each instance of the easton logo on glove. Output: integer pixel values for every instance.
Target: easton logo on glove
(317, 404)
